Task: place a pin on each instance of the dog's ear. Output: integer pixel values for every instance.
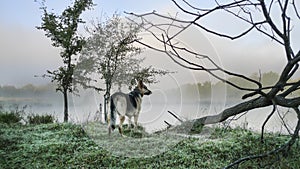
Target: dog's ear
(140, 84)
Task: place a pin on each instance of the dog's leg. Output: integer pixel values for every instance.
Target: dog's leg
(122, 118)
(129, 123)
(135, 121)
(109, 130)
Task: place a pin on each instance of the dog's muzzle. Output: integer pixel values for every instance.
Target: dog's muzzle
(148, 92)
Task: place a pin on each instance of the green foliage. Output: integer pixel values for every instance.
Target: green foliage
(62, 30)
(40, 119)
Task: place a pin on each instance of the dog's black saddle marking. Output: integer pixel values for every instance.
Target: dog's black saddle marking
(132, 95)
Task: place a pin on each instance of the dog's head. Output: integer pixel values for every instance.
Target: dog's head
(143, 88)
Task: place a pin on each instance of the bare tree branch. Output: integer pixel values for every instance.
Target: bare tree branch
(258, 16)
(171, 49)
(282, 149)
(295, 9)
(287, 127)
(267, 119)
(234, 118)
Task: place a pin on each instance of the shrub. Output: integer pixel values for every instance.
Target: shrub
(40, 119)
(10, 117)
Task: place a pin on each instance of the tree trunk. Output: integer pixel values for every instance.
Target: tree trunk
(105, 109)
(66, 111)
(106, 100)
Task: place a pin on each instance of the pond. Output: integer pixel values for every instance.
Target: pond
(153, 114)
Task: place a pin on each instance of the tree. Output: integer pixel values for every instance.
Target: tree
(109, 47)
(62, 30)
(257, 15)
(111, 55)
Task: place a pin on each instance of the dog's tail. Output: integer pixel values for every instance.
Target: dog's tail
(112, 116)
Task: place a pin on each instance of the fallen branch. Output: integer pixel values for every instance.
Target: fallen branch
(169, 125)
(232, 111)
(174, 115)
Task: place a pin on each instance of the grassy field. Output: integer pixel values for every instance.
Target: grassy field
(73, 146)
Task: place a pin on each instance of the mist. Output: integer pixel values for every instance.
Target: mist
(188, 101)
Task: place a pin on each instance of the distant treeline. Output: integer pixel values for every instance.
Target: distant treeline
(40, 95)
(28, 90)
(206, 91)
(202, 91)
(29, 94)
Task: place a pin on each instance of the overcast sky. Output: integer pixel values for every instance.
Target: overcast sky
(25, 51)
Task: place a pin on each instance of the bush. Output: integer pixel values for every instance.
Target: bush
(10, 117)
(16, 114)
(40, 119)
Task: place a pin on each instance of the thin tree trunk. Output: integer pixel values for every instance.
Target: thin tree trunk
(66, 111)
(106, 100)
(105, 109)
(68, 81)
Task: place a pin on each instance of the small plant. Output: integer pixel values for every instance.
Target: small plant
(196, 129)
(139, 132)
(40, 119)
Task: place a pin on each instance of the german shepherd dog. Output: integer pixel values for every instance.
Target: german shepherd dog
(126, 105)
